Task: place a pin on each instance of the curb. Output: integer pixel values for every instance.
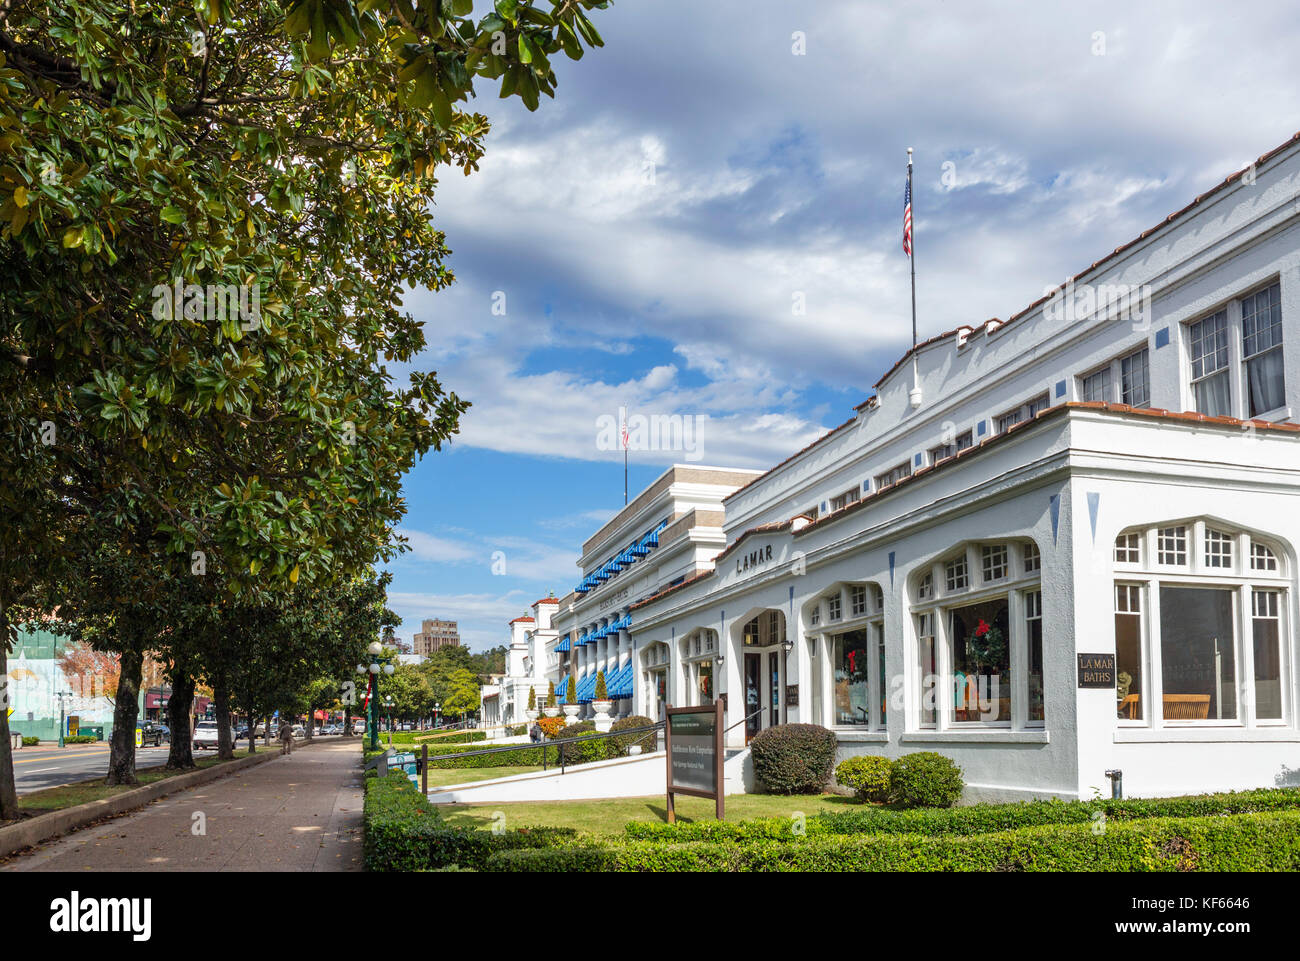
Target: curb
(35, 830)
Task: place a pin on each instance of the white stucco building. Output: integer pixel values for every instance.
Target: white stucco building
(1103, 489)
(505, 701)
(668, 533)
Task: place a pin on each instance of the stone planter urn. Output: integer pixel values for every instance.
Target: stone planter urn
(602, 718)
(531, 715)
(553, 711)
(571, 712)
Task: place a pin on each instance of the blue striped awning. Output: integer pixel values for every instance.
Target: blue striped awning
(620, 686)
(560, 688)
(563, 645)
(586, 686)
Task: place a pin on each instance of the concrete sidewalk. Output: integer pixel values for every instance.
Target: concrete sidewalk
(297, 813)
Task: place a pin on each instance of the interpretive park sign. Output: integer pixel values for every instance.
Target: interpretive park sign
(693, 742)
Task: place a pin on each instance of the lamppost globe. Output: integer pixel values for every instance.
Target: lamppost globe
(374, 668)
(375, 648)
(361, 669)
(389, 669)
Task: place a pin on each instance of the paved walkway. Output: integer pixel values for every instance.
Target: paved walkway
(296, 813)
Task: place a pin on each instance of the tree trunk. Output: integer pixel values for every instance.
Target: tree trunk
(180, 754)
(221, 707)
(126, 711)
(347, 721)
(267, 731)
(8, 792)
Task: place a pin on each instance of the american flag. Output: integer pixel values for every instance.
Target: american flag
(907, 217)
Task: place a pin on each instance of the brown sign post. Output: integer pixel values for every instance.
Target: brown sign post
(693, 743)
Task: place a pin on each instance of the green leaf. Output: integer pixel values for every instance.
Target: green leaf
(173, 215)
(73, 236)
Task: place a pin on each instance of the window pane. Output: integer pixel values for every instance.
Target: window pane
(852, 671)
(927, 655)
(1135, 379)
(704, 680)
(1034, 634)
(981, 662)
(1265, 382)
(882, 702)
(1196, 654)
(1212, 396)
(1261, 321)
(1096, 386)
(1268, 656)
(1128, 659)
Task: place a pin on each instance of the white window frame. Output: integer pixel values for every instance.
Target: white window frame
(1234, 330)
(1242, 579)
(941, 601)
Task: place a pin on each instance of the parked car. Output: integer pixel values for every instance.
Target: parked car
(298, 731)
(205, 735)
(155, 734)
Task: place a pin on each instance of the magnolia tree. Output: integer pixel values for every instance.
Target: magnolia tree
(208, 215)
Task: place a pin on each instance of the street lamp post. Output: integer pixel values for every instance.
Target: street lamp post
(378, 663)
(61, 695)
(388, 703)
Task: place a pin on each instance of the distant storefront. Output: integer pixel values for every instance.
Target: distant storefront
(42, 666)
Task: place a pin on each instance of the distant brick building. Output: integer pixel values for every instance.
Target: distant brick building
(435, 634)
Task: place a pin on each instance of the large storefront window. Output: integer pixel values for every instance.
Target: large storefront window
(1198, 667)
(852, 666)
(981, 661)
(979, 618)
(1188, 653)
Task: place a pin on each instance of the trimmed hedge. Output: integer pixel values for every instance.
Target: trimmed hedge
(925, 780)
(793, 758)
(1247, 842)
(867, 775)
(649, 740)
(403, 832)
(31, 741)
(977, 819)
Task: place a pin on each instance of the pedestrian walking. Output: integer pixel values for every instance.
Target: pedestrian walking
(286, 738)
(535, 733)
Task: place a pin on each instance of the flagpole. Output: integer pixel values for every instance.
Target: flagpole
(915, 397)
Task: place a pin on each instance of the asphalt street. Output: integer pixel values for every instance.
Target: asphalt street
(41, 767)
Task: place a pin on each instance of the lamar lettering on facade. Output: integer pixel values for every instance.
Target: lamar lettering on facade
(754, 559)
(73, 915)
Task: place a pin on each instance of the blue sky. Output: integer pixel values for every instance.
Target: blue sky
(651, 231)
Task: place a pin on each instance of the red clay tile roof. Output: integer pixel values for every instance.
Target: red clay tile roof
(1264, 158)
(518, 619)
(547, 600)
(1190, 417)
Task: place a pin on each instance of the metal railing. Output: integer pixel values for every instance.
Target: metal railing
(744, 719)
(559, 742)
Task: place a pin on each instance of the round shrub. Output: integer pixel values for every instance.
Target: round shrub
(31, 741)
(925, 780)
(793, 758)
(648, 740)
(583, 751)
(867, 775)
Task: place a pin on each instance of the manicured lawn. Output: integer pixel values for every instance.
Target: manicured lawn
(442, 776)
(609, 816)
(81, 792)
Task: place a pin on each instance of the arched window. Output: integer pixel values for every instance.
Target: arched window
(699, 649)
(1200, 618)
(977, 614)
(850, 618)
